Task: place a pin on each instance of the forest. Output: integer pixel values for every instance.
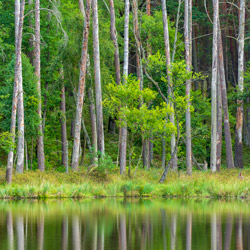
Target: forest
(123, 88)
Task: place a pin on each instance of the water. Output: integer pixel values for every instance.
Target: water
(114, 224)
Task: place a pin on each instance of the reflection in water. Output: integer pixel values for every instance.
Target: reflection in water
(136, 225)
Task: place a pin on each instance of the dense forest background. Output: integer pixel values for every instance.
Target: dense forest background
(152, 123)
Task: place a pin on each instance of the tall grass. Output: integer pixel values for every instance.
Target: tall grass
(52, 184)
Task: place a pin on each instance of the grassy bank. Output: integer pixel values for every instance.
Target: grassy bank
(52, 184)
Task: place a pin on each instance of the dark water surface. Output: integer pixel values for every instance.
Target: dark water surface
(112, 224)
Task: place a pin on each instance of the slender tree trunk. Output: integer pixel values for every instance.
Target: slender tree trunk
(80, 95)
(168, 65)
(123, 131)
(63, 124)
(81, 7)
(40, 138)
(93, 125)
(98, 87)
(214, 87)
(27, 157)
(239, 115)
(188, 57)
(229, 151)
(9, 168)
(20, 108)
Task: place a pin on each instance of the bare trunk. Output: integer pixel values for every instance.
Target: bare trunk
(81, 7)
(63, 126)
(40, 145)
(9, 168)
(27, 157)
(188, 58)
(229, 151)
(80, 95)
(168, 65)
(93, 125)
(239, 115)
(98, 86)
(20, 109)
(214, 88)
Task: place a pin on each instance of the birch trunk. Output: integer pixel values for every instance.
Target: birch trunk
(81, 7)
(214, 87)
(229, 151)
(9, 168)
(123, 133)
(168, 65)
(188, 58)
(63, 125)
(20, 109)
(98, 86)
(40, 145)
(239, 115)
(80, 95)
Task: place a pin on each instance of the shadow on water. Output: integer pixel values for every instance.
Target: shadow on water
(125, 224)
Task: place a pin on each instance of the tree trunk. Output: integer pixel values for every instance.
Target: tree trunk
(168, 65)
(80, 95)
(81, 7)
(98, 86)
(229, 151)
(188, 58)
(40, 145)
(20, 109)
(9, 168)
(214, 87)
(63, 125)
(239, 115)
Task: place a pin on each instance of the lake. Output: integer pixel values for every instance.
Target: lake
(122, 224)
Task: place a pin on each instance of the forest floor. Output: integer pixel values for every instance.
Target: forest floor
(52, 184)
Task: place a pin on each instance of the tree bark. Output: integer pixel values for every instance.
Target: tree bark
(188, 58)
(63, 124)
(80, 95)
(229, 151)
(9, 168)
(81, 7)
(239, 115)
(98, 86)
(20, 109)
(40, 138)
(168, 65)
(214, 87)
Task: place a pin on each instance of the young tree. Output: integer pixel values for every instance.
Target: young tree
(168, 65)
(80, 95)
(98, 86)
(188, 57)
(214, 87)
(40, 144)
(239, 115)
(9, 168)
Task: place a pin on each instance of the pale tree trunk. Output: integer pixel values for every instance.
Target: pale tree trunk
(31, 39)
(123, 131)
(40, 145)
(81, 7)
(168, 65)
(80, 95)
(98, 86)
(63, 124)
(188, 58)
(239, 115)
(9, 168)
(214, 88)
(20, 109)
(93, 125)
(229, 151)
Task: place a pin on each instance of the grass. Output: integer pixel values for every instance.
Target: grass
(52, 184)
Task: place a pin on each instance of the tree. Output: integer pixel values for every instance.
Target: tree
(9, 168)
(214, 87)
(81, 88)
(98, 86)
(239, 115)
(188, 57)
(40, 138)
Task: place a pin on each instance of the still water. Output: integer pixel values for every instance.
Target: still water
(114, 224)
